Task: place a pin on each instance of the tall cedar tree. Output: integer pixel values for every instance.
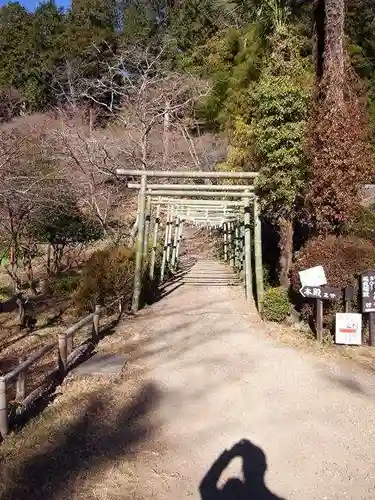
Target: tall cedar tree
(339, 153)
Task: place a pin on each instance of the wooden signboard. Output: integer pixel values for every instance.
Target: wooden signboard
(368, 301)
(315, 276)
(321, 292)
(368, 291)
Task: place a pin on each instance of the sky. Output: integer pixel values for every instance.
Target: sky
(32, 4)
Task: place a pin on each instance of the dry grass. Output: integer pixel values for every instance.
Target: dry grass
(16, 344)
(363, 356)
(84, 445)
(54, 313)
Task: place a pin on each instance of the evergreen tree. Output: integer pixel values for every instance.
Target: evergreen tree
(15, 24)
(46, 41)
(339, 153)
(97, 15)
(281, 107)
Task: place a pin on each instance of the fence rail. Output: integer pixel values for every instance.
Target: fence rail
(65, 354)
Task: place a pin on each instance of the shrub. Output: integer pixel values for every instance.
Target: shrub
(6, 291)
(107, 275)
(363, 225)
(276, 306)
(342, 257)
(63, 285)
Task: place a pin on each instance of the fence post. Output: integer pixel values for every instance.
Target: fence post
(319, 320)
(242, 246)
(225, 230)
(3, 408)
(139, 245)
(69, 343)
(175, 239)
(63, 353)
(95, 323)
(237, 247)
(164, 260)
(179, 239)
(247, 251)
(169, 241)
(258, 255)
(154, 244)
(147, 229)
(231, 246)
(21, 383)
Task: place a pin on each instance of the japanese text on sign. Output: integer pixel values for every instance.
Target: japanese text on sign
(368, 291)
(348, 329)
(323, 292)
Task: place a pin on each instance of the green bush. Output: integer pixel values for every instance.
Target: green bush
(343, 259)
(107, 275)
(363, 225)
(276, 306)
(6, 291)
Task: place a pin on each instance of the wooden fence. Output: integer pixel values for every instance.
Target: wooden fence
(66, 353)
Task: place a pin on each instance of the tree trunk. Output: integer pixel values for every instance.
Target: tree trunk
(166, 134)
(319, 21)
(30, 276)
(286, 250)
(334, 56)
(144, 145)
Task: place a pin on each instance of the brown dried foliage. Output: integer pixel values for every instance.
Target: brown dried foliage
(107, 275)
(339, 152)
(343, 259)
(340, 162)
(340, 157)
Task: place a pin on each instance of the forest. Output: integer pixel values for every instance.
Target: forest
(282, 87)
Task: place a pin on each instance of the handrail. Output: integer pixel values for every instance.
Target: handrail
(80, 324)
(64, 348)
(8, 377)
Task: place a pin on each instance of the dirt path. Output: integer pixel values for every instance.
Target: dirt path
(223, 379)
(203, 374)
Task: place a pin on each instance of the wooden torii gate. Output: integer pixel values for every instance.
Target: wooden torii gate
(224, 206)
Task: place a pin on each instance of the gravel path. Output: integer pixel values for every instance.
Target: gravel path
(223, 379)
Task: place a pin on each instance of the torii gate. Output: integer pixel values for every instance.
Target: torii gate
(224, 206)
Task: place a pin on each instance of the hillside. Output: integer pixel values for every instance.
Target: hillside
(150, 336)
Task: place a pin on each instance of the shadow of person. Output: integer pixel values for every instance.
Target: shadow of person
(252, 487)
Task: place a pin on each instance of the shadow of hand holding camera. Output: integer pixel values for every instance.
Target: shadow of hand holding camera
(252, 487)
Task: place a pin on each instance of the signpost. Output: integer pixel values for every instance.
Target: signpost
(348, 328)
(368, 291)
(315, 276)
(348, 325)
(368, 301)
(320, 293)
(349, 294)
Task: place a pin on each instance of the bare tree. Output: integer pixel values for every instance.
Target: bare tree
(149, 101)
(151, 126)
(87, 161)
(29, 181)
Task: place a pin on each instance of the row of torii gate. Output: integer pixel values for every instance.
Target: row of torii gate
(231, 208)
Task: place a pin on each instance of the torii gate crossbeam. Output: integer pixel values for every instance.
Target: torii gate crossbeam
(192, 197)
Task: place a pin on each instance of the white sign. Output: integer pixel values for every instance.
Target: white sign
(348, 328)
(315, 276)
